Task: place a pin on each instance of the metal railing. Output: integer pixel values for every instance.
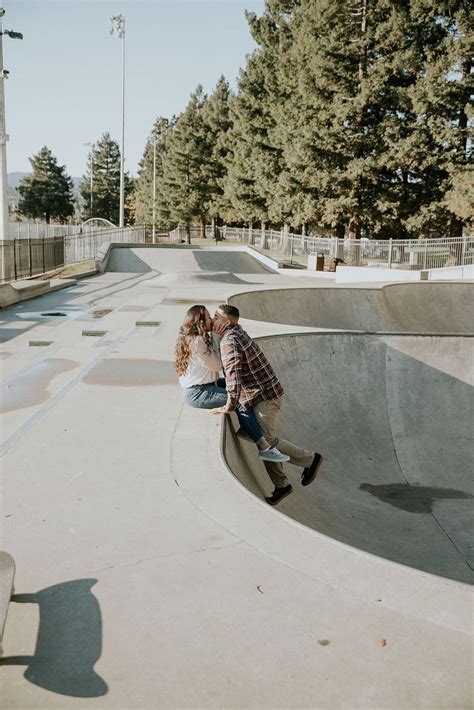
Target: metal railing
(410, 254)
(26, 257)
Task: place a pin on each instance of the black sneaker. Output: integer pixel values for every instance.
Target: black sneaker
(278, 494)
(310, 473)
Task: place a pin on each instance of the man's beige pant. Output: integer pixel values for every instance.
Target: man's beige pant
(268, 413)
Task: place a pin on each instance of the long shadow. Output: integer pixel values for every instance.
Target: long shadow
(69, 641)
(412, 499)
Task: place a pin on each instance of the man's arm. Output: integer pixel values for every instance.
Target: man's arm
(231, 355)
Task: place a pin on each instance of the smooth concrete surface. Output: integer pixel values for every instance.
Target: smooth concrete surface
(148, 576)
(349, 274)
(394, 425)
(408, 308)
(16, 291)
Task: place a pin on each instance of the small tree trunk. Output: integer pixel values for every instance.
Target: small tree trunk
(250, 240)
(354, 236)
(187, 232)
(263, 241)
(202, 228)
(286, 239)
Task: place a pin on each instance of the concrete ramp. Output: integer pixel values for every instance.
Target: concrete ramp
(392, 415)
(181, 259)
(429, 307)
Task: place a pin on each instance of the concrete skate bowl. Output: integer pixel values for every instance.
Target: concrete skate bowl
(424, 307)
(392, 416)
(168, 259)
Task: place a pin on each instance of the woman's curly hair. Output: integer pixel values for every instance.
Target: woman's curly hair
(192, 327)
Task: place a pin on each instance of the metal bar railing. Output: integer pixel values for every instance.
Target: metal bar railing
(30, 256)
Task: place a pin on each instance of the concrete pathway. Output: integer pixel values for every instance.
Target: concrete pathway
(147, 575)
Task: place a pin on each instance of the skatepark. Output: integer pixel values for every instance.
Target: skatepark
(150, 572)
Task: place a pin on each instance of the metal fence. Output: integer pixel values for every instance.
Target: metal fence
(26, 257)
(40, 230)
(414, 254)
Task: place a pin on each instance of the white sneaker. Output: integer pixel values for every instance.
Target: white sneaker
(273, 454)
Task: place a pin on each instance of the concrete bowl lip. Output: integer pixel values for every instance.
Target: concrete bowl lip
(445, 581)
(305, 528)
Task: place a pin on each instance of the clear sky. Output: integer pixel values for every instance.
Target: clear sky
(64, 87)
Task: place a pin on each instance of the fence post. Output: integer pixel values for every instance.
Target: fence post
(30, 257)
(43, 256)
(463, 253)
(425, 254)
(390, 253)
(14, 259)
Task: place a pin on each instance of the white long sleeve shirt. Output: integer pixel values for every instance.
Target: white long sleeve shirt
(203, 366)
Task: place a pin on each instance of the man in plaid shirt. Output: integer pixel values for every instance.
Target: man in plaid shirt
(251, 381)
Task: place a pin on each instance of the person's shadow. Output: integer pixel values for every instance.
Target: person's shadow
(69, 641)
(412, 499)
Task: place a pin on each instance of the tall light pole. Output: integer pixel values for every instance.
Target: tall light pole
(91, 146)
(3, 148)
(117, 23)
(154, 190)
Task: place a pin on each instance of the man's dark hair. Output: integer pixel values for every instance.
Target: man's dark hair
(230, 311)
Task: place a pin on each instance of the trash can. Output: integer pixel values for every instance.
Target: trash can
(320, 262)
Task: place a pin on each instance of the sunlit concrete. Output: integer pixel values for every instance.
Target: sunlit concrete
(150, 576)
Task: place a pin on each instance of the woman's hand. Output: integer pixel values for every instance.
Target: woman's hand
(219, 410)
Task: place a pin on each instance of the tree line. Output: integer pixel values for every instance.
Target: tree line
(349, 118)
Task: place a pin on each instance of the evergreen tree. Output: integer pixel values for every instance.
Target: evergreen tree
(217, 123)
(104, 161)
(273, 33)
(187, 149)
(46, 193)
(143, 194)
(442, 100)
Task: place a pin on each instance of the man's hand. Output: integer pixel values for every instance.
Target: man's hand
(219, 410)
(219, 326)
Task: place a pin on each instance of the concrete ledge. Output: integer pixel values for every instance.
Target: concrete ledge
(7, 575)
(16, 291)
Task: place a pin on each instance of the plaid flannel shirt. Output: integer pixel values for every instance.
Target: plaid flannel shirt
(248, 374)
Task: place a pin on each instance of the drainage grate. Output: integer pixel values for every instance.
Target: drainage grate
(148, 323)
(101, 312)
(55, 313)
(94, 333)
(40, 343)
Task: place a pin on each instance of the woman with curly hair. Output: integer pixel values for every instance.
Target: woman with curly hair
(198, 364)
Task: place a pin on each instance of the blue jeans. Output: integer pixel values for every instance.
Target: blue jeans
(211, 396)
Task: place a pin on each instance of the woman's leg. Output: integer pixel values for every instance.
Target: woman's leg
(211, 397)
(205, 396)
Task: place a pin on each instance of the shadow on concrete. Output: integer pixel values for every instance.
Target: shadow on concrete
(225, 277)
(69, 641)
(392, 417)
(228, 261)
(413, 499)
(127, 261)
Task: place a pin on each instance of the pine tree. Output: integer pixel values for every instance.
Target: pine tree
(441, 97)
(273, 33)
(47, 193)
(143, 194)
(186, 151)
(104, 161)
(217, 123)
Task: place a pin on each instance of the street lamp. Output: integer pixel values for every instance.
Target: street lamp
(117, 26)
(154, 190)
(3, 145)
(91, 146)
